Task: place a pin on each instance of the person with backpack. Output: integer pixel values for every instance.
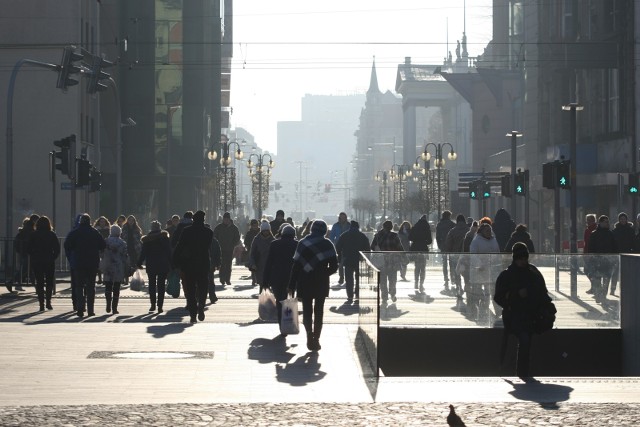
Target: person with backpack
(522, 293)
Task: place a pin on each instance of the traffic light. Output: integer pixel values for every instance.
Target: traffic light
(549, 175)
(68, 68)
(66, 155)
(505, 182)
(95, 180)
(633, 184)
(96, 75)
(520, 187)
(563, 174)
(84, 172)
(485, 189)
(473, 190)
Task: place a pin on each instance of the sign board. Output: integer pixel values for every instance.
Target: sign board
(66, 185)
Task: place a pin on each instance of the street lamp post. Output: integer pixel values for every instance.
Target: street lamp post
(439, 163)
(399, 174)
(225, 161)
(514, 134)
(260, 194)
(382, 177)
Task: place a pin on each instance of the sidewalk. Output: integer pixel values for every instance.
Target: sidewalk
(147, 369)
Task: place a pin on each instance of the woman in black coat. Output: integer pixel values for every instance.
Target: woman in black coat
(315, 260)
(156, 252)
(278, 266)
(44, 249)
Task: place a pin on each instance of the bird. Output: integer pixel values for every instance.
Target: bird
(453, 420)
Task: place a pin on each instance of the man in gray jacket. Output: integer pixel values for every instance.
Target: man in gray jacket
(348, 246)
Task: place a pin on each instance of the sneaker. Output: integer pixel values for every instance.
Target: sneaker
(80, 314)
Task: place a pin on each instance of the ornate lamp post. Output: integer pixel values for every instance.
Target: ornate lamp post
(382, 177)
(439, 163)
(260, 180)
(226, 175)
(399, 174)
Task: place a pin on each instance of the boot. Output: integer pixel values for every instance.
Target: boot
(310, 341)
(49, 307)
(108, 298)
(114, 303)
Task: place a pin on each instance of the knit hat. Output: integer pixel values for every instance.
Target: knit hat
(227, 215)
(460, 218)
(155, 226)
(288, 230)
(520, 250)
(319, 227)
(115, 230)
(280, 212)
(622, 214)
(264, 226)
(354, 224)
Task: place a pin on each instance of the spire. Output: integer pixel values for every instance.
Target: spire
(373, 84)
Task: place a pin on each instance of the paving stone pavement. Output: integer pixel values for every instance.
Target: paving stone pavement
(325, 414)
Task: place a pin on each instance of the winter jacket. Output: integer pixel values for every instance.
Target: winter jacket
(624, 236)
(337, 229)
(350, 244)
(132, 237)
(228, 236)
(249, 236)
(258, 255)
(278, 266)
(175, 236)
(191, 255)
(115, 260)
(455, 238)
(522, 237)
(404, 238)
(85, 244)
(481, 267)
(587, 235)
(442, 229)
(21, 241)
(44, 249)
(602, 241)
(420, 236)
(503, 226)
(156, 253)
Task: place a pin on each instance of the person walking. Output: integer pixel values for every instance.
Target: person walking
(482, 245)
(277, 222)
(156, 255)
(603, 242)
(624, 236)
(521, 234)
(442, 229)
(503, 226)
(314, 261)
(464, 262)
(388, 241)
(23, 274)
(259, 252)
(590, 226)
(132, 235)
(349, 246)
(337, 229)
(453, 246)
(192, 256)
(103, 226)
(403, 234)
(228, 236)
(44, 249)
(215, 260)
(85, 244)
(278, 266)
(254, 230)
(114, 265)
(521, 291)
(420, 238)
(187, 220)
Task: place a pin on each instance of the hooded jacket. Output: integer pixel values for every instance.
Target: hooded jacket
(156, 252)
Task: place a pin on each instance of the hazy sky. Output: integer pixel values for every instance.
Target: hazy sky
(285, 49)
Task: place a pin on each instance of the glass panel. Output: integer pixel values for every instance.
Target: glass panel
(367, 338)
(423, 300)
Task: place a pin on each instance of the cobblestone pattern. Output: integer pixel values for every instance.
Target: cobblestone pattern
(327, 414)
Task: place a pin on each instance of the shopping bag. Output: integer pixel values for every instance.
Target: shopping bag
(267, 306)
(173, 283)
(137, 282)
(290, 324)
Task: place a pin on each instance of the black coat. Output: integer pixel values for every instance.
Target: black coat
(503, 226)
(420, 236)
(44, 249)
(192, 252)
(85, 242)
(624, 236)
(519, 236)
(349, 244)
(278, 267)
(156, 252)
(602, 241)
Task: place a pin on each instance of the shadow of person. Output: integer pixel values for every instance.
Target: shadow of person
(547, 395)
(391, 312)
(303, 371)
(266, 350)
(161, 331)
(421, 297)
(346, 309)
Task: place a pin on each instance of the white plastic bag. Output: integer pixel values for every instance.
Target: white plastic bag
(267, 306)
(137, 282)
(290, 324)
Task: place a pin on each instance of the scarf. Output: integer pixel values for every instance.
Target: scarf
(313, 250)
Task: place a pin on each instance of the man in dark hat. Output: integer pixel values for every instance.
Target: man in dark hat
(521, 291)
(192, 257)
(228, 236)
(348, 246)
(276, 223)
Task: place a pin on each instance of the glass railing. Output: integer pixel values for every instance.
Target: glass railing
(413, 293)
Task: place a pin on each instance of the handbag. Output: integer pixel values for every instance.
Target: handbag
(137, 282)
(173, 283)
(267, 306)
(545, 317)
(290, 323)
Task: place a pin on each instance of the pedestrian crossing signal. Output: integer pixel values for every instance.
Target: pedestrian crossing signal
(563, 174)
(521, 183)
(633, 184)
(473, 190)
